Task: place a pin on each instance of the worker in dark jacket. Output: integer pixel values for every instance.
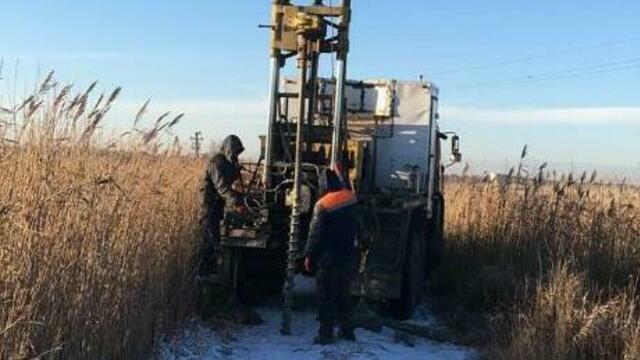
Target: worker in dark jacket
(331, 250)
(222, 171)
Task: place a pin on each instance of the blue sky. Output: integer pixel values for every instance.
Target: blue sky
(560, 76)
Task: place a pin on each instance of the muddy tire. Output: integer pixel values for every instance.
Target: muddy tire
(412, 276)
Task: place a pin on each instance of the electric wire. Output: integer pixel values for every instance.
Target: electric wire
(564, 74)
(614, 64)
(525, 59)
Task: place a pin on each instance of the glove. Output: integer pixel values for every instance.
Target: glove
(240, 209)
(308, 265)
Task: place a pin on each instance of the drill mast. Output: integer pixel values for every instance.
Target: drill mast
(301, 31)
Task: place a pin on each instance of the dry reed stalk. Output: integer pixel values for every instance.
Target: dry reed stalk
(98, 246)
(574, 239)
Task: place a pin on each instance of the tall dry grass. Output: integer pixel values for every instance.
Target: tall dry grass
(548, 268)
(98, 237)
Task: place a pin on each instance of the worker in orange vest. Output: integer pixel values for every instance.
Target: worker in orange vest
(330, 251)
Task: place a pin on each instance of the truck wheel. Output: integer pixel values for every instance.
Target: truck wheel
(236, 276)
(273, 275)
(412, 276)
(257, 276)
(250, 290)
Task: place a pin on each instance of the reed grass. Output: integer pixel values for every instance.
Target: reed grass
(98, 237)
(99, 241)
(548, 265)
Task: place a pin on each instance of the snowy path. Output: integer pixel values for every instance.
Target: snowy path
(265, 342)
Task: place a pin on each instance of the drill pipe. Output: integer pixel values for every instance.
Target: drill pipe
(294, 231)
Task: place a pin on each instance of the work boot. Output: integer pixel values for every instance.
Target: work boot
(346, 333)
(325, 335)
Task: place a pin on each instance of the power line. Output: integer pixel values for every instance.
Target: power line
(582, 74)
(566, 74)
(525, 59)
(613, 64)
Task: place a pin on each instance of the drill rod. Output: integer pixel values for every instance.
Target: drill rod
(294, 231)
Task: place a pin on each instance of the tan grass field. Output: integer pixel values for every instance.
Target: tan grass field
(99, 241)
(552, 266)
(97, 247)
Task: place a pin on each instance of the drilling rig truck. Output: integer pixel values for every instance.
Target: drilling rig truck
(382, 134)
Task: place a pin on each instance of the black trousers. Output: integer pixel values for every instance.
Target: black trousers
(211, 242)
(334, 298)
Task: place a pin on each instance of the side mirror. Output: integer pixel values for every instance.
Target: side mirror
(456, 156)
(263, 146)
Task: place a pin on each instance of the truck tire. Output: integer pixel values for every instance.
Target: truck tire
(412, 276)
(258, 276)
(273, 275)
(248, 288)
(236, 275)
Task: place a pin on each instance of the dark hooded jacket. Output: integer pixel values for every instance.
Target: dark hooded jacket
(222, 171)
(332, 232)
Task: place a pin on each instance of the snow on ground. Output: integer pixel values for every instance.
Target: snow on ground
(265, 342)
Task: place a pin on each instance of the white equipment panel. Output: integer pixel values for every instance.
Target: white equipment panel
(404, 117)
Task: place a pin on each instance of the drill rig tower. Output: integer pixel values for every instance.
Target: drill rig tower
(301, 31)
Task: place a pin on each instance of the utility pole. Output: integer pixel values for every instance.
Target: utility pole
(196, 141)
